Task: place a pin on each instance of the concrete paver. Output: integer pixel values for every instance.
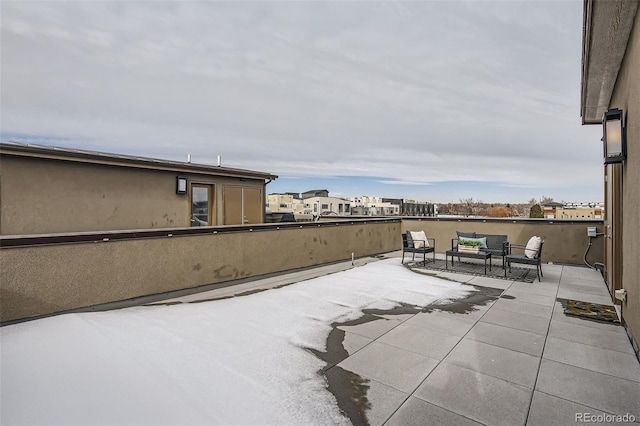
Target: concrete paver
(602, 338)
(508, 338)
(593, 358)
(421, 340)
(519, 321)
(475, 395)
(600, 391)
(416, 412)
(547, 410)
(517, 306)
(505, 364)
(399, 368)
(384, 401)
(516, 360)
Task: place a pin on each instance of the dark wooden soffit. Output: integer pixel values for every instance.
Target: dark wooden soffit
(606, 29)
(102, 158)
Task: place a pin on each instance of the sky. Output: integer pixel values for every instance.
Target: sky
(238, 361)
(427, 100)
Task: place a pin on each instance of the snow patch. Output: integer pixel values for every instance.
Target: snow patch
(234, 361)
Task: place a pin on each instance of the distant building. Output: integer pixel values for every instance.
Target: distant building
(315, 193)
(549, 209)
(285, 203)
(414, 208)
(373, 206)
(573, 211)
(326, 205)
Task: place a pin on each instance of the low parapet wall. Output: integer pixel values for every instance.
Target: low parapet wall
(45, 274)
(564, 241)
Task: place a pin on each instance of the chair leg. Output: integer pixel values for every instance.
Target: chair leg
(403, 256)
(539, 271)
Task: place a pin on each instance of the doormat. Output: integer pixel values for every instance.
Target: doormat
(591, 311)
(526, 275)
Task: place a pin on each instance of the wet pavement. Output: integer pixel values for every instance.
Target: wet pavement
(506, 354)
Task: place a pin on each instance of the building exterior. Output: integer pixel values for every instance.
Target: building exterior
(555, 210)
(315, 193)
(549, 210)
(284, 203)
(610, 70)
(373, 206)
(54, 190)
(578, 213)
(416, 208)
(326, 206)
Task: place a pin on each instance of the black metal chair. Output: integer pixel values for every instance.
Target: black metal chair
(522, 258)
(409, 247)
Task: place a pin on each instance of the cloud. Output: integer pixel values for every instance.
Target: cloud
(403, 182)
(416, 91)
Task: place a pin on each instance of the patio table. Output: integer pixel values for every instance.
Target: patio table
(479, 255)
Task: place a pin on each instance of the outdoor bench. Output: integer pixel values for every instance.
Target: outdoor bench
(497, 245)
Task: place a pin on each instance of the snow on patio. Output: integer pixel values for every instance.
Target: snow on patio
(235, 361)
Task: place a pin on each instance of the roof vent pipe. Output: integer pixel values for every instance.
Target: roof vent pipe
(188, 158)
(219, 161)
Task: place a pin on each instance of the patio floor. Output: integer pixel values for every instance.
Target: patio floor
(516, 359)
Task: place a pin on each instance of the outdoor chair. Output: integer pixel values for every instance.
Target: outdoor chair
(530, 256)
(409, 246)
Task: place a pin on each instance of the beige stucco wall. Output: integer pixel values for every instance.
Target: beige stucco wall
(40, 196)
(564, 241)
(626, 96)
(45, 279)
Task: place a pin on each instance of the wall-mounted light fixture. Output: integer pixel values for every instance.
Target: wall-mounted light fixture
(181, 185)
(614, 141)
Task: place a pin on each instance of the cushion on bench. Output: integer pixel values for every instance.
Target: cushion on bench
(482, 240)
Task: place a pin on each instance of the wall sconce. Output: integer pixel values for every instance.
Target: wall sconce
(181, 185)
(615, 144)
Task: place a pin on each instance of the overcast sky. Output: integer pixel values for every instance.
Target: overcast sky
(434, 101)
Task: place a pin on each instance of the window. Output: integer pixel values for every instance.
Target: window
(325, 206)
(201, 202)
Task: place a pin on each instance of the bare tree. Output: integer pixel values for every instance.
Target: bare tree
(545, 200)
(467, 205)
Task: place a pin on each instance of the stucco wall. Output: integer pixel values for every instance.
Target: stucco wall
(626, 96)
(52, 278)
(564, 241)
(40, 196)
